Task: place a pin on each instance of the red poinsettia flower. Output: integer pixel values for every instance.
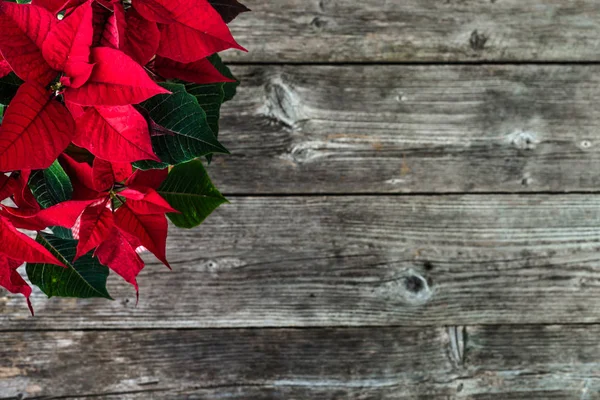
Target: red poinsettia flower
(99, 76)
(94, 73)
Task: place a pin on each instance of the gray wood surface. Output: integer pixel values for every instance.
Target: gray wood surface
(412, 129)
(499, 362)
(359, 260)
(401, 227)
(418, 30)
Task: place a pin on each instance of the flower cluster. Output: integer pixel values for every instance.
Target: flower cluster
(106, 107)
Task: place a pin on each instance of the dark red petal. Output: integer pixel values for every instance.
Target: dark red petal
(118, 253)
(12, 281)
(8, 186)
(96, 224)
(141, 37)
(75, 109)
(201, 71)
(114, 31)
(145, 201)
(54, 6)
(181, 43)
(117, 80)
(116, 134)
(18, 246)
(23, 30)
(63, 214)
(156, 11)
(67, 46)
(5, 68)
(109, 25)
(151, 230)
(190, 29)
(151, 178)
(23, 197)
(35, 130)
(81, 178)
(107, 173)
(78, 74)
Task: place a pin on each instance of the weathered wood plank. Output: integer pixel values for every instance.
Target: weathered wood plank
(417, 129)
(399, 392)
(501, 362)
(359, 260)
(418, 30)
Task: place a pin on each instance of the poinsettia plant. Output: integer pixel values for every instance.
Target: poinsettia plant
(107, 108)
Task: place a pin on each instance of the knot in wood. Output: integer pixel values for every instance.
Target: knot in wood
(417, 288)
(414, 283)
(523, 140)
(477, 41)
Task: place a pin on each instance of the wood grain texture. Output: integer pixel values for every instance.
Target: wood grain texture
(356, 261)
(335, 31)
(372, 297)
(501, 362)
(412, 129)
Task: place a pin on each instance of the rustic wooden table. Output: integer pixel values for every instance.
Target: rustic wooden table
(415, 214)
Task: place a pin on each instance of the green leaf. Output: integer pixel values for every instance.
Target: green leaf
(8, 88)
(229, 88)
(189, 190)
(49, 187)
(84, 279)
(212, 96)
(190, 136)
(61, 232)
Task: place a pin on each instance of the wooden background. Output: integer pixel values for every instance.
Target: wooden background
(415, 215)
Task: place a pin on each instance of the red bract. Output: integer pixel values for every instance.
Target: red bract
(118, 134)
(11, 280)
(201, 71)
(142, 37)
(105, 174)
(24, 29)
(95, 140)
(119, 253)
(20, 247)
(63, 214)
(95, 226)
(189, 29)
(116, 80)
(15, 250)
(109, 25)
(67, 46)
(4, 67)
(35, 130)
